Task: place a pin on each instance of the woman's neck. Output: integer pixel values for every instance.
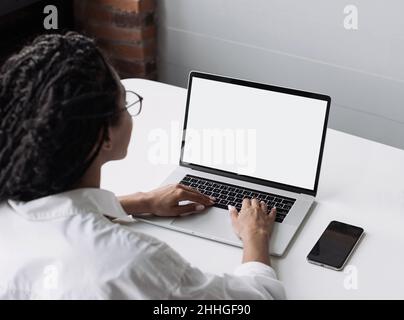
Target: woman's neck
(91, 178)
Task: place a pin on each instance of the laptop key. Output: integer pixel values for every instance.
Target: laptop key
(221, 206)
(281, 212)
(277, 219)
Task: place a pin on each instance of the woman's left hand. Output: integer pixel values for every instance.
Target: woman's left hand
(164, 201)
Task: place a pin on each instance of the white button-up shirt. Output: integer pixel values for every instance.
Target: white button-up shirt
(63, 247)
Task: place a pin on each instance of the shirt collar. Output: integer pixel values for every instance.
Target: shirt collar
(82, 200)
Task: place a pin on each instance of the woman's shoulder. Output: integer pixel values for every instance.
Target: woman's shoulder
(109, 234)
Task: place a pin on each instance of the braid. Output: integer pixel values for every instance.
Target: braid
(47, 90)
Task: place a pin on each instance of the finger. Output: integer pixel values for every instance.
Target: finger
(233, 214)
(195, 197)
(246, 202)
(264, 207)
(190, 189)
(272, 213)
(182, 186)
(187, 208)
(255, 203)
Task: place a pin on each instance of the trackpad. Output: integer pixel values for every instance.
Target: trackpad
(213, 222)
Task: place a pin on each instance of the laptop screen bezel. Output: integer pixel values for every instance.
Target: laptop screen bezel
(233, 175)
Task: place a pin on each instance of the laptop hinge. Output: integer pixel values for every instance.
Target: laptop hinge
(306, 196)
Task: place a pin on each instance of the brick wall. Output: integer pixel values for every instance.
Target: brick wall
(125, 30)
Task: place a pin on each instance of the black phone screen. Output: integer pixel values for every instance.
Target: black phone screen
(335, 244)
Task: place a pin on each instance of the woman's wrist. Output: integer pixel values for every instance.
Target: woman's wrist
(256, 247)
(255, 236)
(139, 202)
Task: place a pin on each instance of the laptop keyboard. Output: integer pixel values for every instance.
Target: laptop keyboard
(228, 194)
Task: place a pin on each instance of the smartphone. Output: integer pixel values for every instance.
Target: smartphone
(335, 245)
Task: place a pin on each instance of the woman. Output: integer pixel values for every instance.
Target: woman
(62, 116)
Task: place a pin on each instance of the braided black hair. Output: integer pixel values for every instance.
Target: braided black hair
(50, 95)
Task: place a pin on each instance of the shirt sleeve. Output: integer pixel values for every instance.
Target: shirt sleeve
(251, 280)
(170, 276)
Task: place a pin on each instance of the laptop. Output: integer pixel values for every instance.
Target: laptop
(247, 139)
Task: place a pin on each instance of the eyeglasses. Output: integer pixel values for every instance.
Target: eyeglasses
(133, 103)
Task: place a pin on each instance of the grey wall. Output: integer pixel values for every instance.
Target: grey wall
(301, 44)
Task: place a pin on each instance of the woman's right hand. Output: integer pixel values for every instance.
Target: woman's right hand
(253, 219)
(253, 224)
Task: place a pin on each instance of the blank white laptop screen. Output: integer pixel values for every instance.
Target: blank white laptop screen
(254, 132)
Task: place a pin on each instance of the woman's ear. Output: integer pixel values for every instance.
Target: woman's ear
(107, 143)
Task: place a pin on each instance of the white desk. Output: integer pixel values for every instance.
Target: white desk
(362, 183)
